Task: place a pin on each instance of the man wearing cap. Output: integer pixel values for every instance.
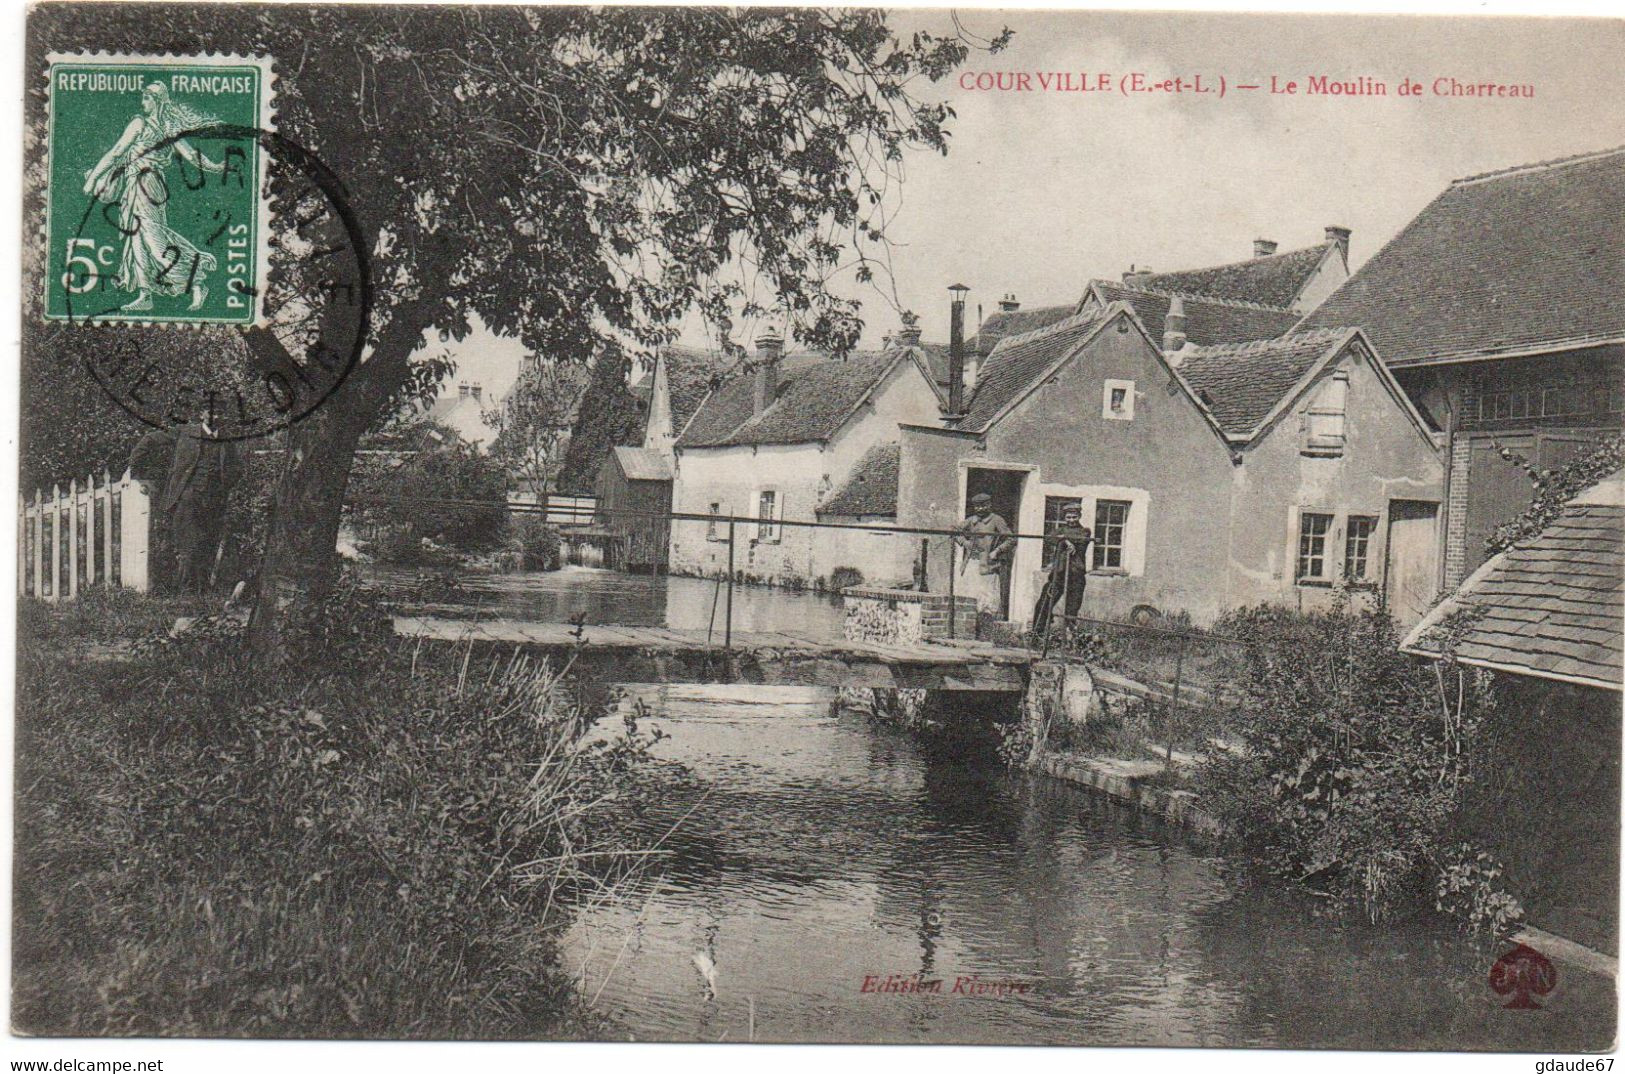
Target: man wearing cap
(1068, 569)
(985, 538)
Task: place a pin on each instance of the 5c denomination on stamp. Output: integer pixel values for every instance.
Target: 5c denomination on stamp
(145, 221)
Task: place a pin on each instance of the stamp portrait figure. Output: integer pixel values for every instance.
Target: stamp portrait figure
(155, 257)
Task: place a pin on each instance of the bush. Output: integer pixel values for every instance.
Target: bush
(1354, 764)
(448, 493)
(842, 577)
(205, 848)
(536, 541)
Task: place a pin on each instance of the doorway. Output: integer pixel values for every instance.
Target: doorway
(1004, 486)
(1410, 580)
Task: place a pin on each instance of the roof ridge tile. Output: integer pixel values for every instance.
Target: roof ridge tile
(1538, 165)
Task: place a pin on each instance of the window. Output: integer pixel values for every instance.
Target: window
(711, 524)
(1327, 416)
(1053, 506)
(1111, 519)
(1117, 400)
(1313, 531)
(1357, 549)
(767, 513)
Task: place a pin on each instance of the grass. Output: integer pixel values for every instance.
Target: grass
(384, 850)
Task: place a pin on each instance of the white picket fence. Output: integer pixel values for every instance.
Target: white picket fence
(90, 533)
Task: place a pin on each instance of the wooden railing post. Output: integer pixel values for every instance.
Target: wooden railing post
(135, 527)
(73, 539)
(38, 522)
(108, 574)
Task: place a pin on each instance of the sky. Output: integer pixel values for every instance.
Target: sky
(1041, 192)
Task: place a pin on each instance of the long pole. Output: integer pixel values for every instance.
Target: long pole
(728, 625)
(953, 604)
(1173, 708)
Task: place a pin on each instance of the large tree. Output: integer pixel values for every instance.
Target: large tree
(578, 178)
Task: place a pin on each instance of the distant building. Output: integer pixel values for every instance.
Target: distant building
(774, 441)
(464, 414)
(1501, 309)
(1212, 476)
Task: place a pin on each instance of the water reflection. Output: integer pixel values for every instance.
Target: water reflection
(819, 851)
(604, 597)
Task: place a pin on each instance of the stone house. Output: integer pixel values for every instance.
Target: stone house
(774, 441)
(1213, 476)
(1499, 309)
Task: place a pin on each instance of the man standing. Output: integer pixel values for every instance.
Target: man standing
(1068, 569)
(985, 539)
(201, 477)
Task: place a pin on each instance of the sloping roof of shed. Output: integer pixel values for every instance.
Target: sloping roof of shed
(1499, 263)
(642, 464)
(1550, 607)
(1275, 280)
(1243, 383)
(871, 488)
(1207, 321)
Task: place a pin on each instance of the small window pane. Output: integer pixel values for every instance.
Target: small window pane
(1111, 519)
(1357, 548)
(1312, 533)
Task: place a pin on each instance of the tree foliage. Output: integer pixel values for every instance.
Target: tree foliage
(533, 420)
(610, 416)
(578, 178)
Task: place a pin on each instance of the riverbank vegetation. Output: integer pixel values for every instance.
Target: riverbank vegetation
(1354, 766)
(381, 846)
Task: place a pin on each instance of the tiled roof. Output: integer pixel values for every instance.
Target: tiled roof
(1242, 383)
(814, 397)
(871, 488)
(642, 464)
(1207, 321)
(1018, 360)
(690, 375)
(1550, 607)
(1275, 280)
(1003, 324)
(1496, 264)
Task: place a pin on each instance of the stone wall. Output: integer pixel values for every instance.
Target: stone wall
(903, 616)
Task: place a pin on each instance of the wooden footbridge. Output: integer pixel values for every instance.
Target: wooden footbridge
(651, 654)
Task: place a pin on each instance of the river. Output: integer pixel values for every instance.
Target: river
(812, 851)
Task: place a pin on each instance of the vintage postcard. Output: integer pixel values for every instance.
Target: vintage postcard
(818, 525)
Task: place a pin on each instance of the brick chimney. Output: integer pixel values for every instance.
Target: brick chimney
(475, 390)
(462, 391)
(1008, 304)
(1134, 277)
(765, 382)
(1339, 235)
(1264, 247)
(1173, 330)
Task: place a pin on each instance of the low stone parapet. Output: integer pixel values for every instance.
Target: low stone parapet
(904, 616)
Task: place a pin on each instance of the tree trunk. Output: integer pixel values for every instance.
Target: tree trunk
(301, 563)
(301, 558)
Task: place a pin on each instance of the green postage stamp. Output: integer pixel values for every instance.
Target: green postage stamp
(155, 210)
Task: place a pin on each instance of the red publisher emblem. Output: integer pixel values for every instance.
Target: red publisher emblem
(1523, 973)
